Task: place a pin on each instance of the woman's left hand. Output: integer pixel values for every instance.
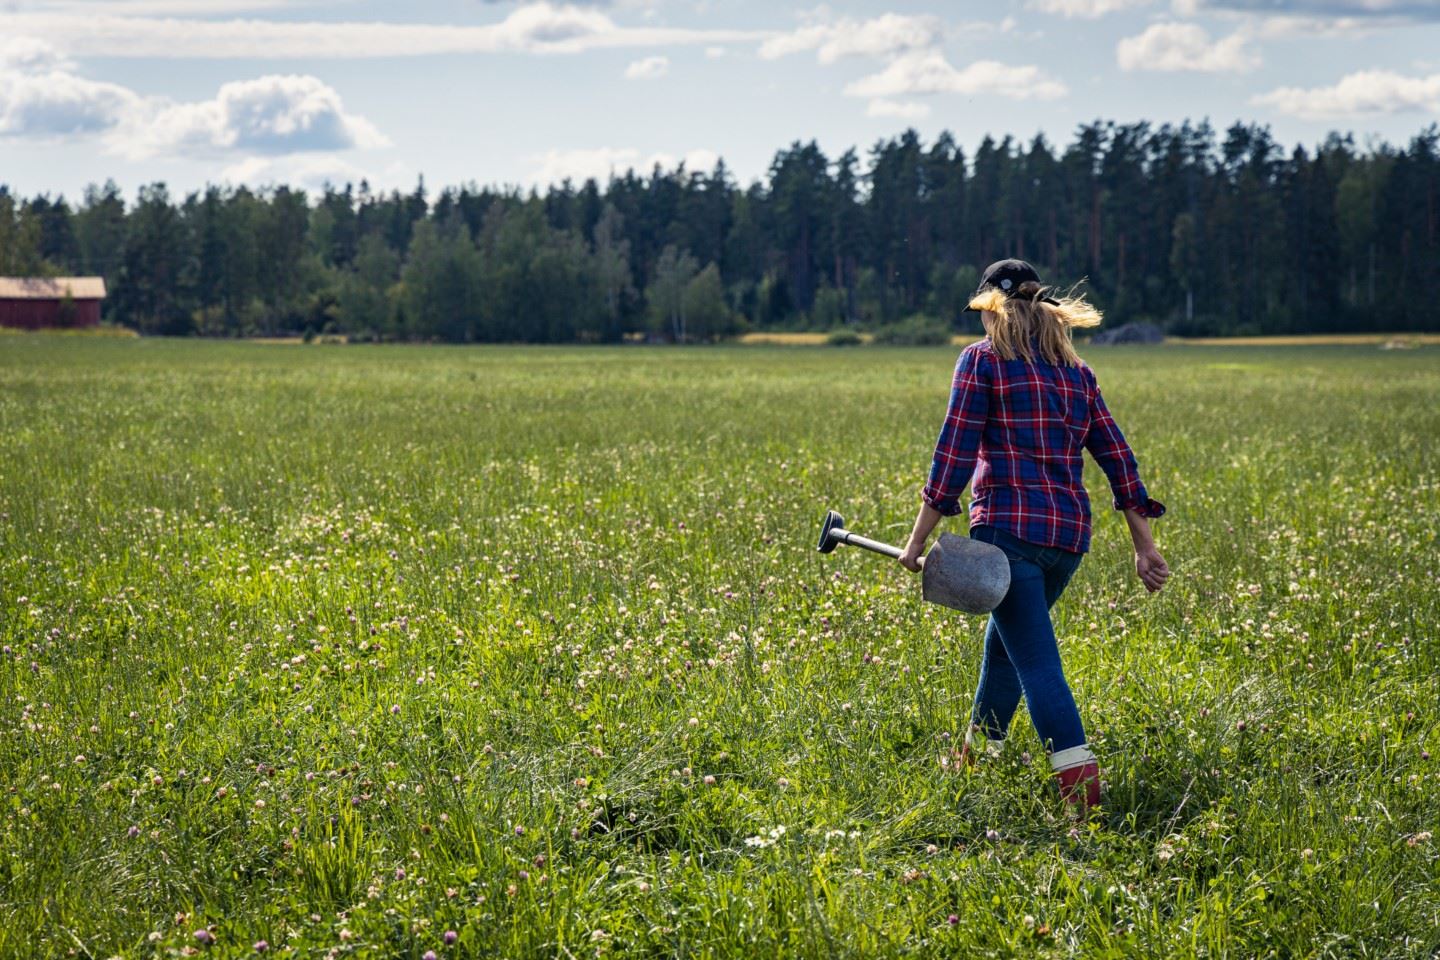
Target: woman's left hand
(910, 557)
(1152, 568)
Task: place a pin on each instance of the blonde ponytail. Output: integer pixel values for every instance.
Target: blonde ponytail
(1019, 323)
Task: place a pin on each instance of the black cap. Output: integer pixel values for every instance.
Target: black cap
(1007, 277)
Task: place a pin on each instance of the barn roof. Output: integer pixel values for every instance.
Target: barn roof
(52, 288)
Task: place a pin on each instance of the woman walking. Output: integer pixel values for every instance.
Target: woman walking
(1023, 407)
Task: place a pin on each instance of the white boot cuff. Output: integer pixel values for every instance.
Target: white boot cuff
(1071, 757)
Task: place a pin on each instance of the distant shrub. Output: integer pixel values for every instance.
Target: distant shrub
(109, 330)
(916, 331)
(831, 308)
(844, 337)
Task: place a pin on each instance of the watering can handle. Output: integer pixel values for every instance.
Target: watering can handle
(833, 532)
(865, 543)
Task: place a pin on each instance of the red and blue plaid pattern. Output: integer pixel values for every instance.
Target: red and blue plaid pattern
(1019, 427)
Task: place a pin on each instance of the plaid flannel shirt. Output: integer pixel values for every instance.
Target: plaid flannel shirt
(1019, 428)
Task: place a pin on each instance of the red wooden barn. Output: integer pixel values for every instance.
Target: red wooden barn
(34, 302)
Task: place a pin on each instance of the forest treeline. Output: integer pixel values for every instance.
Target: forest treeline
(1201, 232)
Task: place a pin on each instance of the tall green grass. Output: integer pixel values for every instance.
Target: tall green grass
(341, 649)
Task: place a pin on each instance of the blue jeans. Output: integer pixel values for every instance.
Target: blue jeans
(1021, 655)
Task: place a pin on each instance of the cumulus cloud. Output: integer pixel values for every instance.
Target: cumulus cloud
(536, 28)
(1173, 47)
(600, 163)
(651, 68)
(31, 55)
(56, 104)
(929, 72)
(43, 97)
(1085, 9)
(541, 25)
(309, 173)
(273, 114)
(903, 109)
(700, 160)
(884, 36)
(1366, 92)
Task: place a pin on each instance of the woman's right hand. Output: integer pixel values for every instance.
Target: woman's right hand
(1151, 568)
(910, 557)
(925, 522)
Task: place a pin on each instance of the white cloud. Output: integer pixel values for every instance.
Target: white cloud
(1172, 47)
(884, 36)
(541, 25)
(43, 97)
(696, 161)
(651, 68)
(255, 171)
(1085, 9)
(902, 109)
(30, 55)
(273, 114)
(579, 165)
(1362, 93)
(56, 104)
(600, 163)
(536, 28)
(309, 173)
(1347, 27)
(930, 72)
(174, 7)
(715, 53)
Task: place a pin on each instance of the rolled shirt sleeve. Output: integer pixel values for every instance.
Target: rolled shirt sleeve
(1107, 445)
(959, 443)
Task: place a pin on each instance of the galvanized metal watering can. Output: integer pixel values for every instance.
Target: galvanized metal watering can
(958, 572)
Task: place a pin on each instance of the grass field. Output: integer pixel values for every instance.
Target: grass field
(376, 651)
(1391, 340)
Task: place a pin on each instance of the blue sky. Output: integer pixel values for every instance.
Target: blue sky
(300, 91)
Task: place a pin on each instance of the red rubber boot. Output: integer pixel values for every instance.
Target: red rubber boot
(1078, 774)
